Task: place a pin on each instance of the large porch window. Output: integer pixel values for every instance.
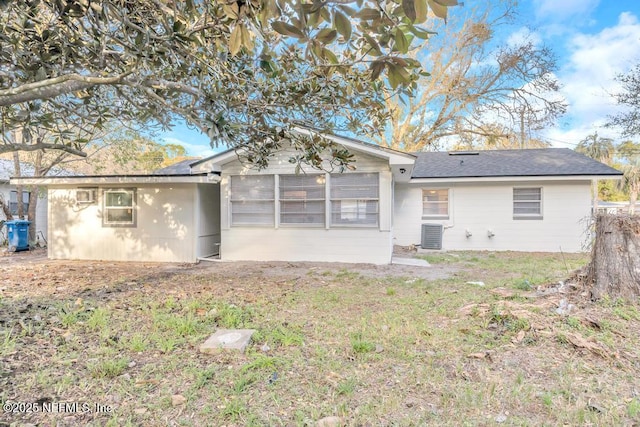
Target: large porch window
(304, 200)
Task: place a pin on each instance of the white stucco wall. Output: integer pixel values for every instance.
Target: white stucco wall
(480, 207)
(165, 227)
(298, 243)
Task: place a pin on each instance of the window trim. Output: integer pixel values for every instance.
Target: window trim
(521, 216)
(120, 224)
(436, 216)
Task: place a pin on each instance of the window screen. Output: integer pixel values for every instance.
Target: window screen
(527, 202)
(435, 203)
(354, 199)
(302, 199)
(252, 200)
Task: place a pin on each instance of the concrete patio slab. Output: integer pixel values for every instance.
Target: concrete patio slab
(227, 339)
(410, 261)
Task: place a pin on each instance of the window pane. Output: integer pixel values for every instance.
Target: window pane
(119, 198)
(302, 212)
(115, 215)
(258, 212)
(527, 201)
(252, 187)
(302, 187)
(354, 186)
(354, 212)
(527, 208)
(435, 202)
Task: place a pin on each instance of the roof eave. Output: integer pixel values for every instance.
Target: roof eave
(118, 180)
(528, 178)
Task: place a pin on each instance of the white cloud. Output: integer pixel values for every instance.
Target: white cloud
(588, 76)
(523, 35)
(556, 10)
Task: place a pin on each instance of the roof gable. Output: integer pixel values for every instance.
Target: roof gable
(543, 162)
(393, 157)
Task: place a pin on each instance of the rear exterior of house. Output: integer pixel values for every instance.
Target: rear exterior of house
(522, 200)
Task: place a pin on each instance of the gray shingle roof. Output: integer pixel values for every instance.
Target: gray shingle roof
(506, 163)
(180, 168)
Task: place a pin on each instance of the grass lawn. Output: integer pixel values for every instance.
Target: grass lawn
(331, 340)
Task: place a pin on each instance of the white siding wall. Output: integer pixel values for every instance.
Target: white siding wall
(371, 245)
(478, 208)
(164, 232)
(208, 220)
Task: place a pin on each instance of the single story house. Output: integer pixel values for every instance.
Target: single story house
(523, 200)
(9, 194)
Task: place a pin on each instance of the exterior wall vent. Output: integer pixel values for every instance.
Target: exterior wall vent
(431, 236)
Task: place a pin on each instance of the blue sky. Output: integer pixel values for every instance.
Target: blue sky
(594, 41)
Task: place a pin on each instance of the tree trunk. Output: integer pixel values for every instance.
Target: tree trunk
(4, 207)
(594, 190)
(31, 215)
(17, 174)
(614, 270)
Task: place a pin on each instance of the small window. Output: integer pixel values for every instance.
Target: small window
(435, 203)
(302, 200)
(119, 207)
(527, 203)
(13, 202)
(252, 200)
(354, 199)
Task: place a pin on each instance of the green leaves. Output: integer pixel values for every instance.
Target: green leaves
(415, 10)
(439, 9)
(287, 29)
(342, 25)
(401, 42)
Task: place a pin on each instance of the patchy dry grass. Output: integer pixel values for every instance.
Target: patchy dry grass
(373, 349)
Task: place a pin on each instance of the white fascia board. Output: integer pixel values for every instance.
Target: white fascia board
(119, 180)
(214, 163)
(513, 179)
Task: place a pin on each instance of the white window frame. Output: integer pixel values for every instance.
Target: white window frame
(425, 203)
(301, 199)
(106, 209)
(361, 203)
(237, 198)
(535, 216)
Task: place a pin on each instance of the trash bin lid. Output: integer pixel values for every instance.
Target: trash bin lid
(17, 222)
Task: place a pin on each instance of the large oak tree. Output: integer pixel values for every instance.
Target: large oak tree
(480, 90)
(241, 71)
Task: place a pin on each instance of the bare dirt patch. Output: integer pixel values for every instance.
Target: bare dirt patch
(367, 344)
